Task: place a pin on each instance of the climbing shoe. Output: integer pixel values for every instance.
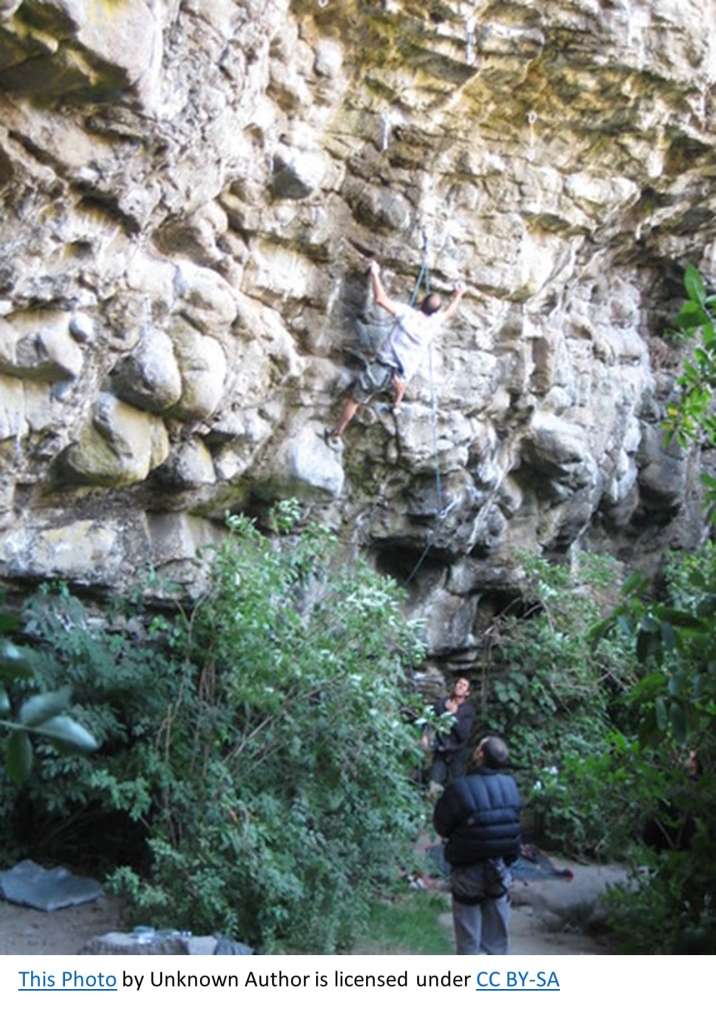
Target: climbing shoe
(333, 440)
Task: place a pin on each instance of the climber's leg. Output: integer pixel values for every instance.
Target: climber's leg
(350, 408)
(375, 378)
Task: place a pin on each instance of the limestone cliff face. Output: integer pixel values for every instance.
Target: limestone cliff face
(190, 191)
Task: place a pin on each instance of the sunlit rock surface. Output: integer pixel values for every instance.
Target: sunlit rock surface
(190, 193)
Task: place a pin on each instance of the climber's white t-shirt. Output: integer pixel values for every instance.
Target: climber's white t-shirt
(410, 337)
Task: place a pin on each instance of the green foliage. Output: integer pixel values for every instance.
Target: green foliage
(259, 743)
(675, 704)
(40, 715)
(692, 417)
(551, 694)
(670, 908)
(675, 644)
(282, 765)
(407, 926)
(600, 801)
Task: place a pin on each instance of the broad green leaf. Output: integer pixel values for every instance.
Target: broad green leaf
(647, 645)
(39, 708)
(678, 618)
(674, 685)
(634, 583)
(694, 285)
(69, 734)
(662, 718)
(690, 319)
(14, 663)
(678, 721)
(18, 757)
(668, 636)
(4, 702)
(647, 687)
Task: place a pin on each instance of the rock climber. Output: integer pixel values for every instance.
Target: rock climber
(402, 353)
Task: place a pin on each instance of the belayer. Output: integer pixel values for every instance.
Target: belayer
(403, 352)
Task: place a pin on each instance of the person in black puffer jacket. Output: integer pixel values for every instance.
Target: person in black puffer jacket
(479, 815)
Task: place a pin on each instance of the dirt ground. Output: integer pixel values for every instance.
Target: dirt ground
(528, 935)
(25, 932)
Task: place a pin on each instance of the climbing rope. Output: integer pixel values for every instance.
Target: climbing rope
(470, 39)
(423, 280)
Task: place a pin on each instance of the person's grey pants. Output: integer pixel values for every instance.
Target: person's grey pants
(482, 928)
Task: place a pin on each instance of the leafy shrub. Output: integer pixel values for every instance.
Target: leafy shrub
(554, 696)
(120, 684)
(675, 711)
(41, 715)
(669, 906)
(281, 768)
(255, 745)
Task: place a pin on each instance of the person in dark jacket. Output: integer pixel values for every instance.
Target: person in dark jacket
(450, 749)
(479, 816)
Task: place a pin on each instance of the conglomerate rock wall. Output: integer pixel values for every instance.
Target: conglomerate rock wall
(190, 192)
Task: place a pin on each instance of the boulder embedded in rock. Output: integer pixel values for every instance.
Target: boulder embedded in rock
(38, 346)
(149, 378)
(189, 466)
(120, 445)
(305, 467)
(202, 365)
(297, 173)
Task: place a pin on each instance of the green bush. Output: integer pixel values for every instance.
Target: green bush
(120, 683)
(40, 715)
(557, 699)
(282, 767)
(670, 907)
(257, 746)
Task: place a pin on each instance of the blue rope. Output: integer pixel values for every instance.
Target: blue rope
(440, 512)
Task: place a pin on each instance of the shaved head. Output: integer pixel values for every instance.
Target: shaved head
(430, 304)
(494, 752)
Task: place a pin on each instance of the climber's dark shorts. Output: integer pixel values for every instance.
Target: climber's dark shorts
(376, 378)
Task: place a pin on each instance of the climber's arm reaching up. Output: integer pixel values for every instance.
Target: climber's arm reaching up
(379, 293)
(451, 307)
